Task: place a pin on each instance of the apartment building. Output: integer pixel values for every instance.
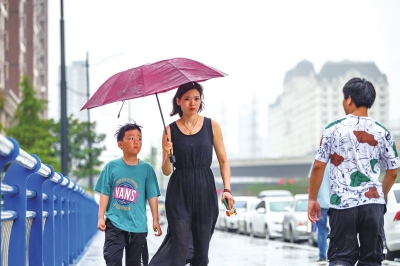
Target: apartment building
(23, 50)
(312, 100)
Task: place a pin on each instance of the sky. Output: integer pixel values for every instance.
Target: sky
(254, 42)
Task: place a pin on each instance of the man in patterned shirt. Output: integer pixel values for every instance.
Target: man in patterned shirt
(355, 144)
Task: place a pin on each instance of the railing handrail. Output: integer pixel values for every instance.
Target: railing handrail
(32, 191)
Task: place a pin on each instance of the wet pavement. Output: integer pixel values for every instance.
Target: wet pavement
(228, 249)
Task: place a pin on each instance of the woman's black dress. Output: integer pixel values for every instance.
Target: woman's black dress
(191, 200)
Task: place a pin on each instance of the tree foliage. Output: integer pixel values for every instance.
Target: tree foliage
(80, 136)
(32, 132)
(43, 137)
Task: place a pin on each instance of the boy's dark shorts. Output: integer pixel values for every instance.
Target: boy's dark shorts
(116, 240)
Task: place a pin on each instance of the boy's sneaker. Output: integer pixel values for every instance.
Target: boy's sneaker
(322, 262)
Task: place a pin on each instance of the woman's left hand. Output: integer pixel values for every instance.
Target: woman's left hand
(229, 198)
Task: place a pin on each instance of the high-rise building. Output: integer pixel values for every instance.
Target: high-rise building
(310, 101)
(23, 50)
(76, 89)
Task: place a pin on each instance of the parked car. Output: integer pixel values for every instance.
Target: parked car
(294, 226)
(392, 223)
(245, 216)
(266, 219)
(275, 193)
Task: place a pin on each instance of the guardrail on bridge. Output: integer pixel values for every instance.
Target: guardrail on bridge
(46, 219)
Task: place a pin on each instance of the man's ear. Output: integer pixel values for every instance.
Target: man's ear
(349, 101)
(120, 144)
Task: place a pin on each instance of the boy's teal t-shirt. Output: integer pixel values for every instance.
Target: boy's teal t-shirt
(128, 188)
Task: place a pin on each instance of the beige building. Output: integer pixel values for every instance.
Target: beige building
(23, 50)
(310, 101)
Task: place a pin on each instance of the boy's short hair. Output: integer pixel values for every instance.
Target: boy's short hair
(120, 133)
(361, 91)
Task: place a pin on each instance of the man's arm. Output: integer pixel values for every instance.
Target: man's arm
(101, 225)
(153, 202)
(316, 177)
(388, 181)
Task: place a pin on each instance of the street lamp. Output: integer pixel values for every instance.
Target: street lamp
(64, 121)
(88, 119)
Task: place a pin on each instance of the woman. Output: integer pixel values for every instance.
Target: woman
(191, 199)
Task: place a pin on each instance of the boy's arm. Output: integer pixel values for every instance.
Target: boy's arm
(101, 225)
(388, 180)
(153, 202)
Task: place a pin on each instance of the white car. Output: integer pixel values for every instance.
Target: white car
(392, 223)
(294, 226)
(231, 223)
(267, 218)
(244, 218)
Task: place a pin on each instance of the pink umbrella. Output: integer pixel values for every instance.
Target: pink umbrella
(151, 79)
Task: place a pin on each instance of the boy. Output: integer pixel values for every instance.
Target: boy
(124, 185)
(355, 145)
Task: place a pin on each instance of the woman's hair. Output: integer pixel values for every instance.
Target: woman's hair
(361, 91)
(120, 133)
(176, 109)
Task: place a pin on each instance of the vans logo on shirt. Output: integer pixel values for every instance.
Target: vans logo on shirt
(125, 194)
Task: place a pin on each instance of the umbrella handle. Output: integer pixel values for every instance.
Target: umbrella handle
(171, 156)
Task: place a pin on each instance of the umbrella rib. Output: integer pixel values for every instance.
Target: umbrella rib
(127, 83)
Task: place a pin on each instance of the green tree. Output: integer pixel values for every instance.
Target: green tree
(32, 132)
(80, 135)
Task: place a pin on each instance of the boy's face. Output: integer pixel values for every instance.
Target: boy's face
(131, 144)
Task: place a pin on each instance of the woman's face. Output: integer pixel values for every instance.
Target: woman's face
(190, 102)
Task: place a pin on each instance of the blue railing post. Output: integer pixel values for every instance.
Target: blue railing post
(16, 175)
(65, 192)
(74, 231)
(34, 183)
(49, 231)
(58, 221)
(4, 159)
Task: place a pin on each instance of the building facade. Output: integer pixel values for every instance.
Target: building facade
(76, 89)
(23, 50)
(310, 101)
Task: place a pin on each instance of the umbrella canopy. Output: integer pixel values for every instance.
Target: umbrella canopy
(151, 79)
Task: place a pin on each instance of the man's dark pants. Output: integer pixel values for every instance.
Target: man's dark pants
(116, 240)
(344, 246)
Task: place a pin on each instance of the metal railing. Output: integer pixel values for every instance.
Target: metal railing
(46, 218)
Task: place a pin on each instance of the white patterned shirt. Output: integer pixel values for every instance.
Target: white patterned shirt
(355, 146)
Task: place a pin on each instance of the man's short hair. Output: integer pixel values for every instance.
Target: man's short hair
(361, 91)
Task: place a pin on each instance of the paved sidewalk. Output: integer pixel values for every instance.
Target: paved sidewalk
(227, 249)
